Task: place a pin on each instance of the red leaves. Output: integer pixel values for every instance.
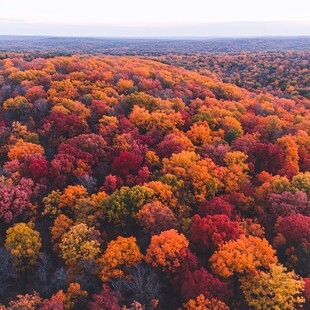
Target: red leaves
(211, 231)
(203, 282)
(15, 199)
(268, 157)
(39, 168)
(126, 163)
(215, 206)
(295, 228)
(106, 300)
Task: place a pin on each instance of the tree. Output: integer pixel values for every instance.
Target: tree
(26, 302)
(35, 92)
(164, 193)
(22, 148)
(55, 302)
(106, 300)
(233, 128)
(123, 204)
(200, 134)
(24, 244)
(74, 295)
(90, 148)
(56, 127)
(213, 230)
(165, 249)
(242, 256)
(174, 143)
(268, 157)
(200, 281)
(71, 196)
(215, 206)
(289, 203)
(236, 170)
(51, 203)
(301, 182)
(18, 104)
(155, 217)
(61, 225)
(143, 286)
(202, 303)
(201, 176)
(120, 254)
(78, 245)
(126, 163)
(15, 198)
(276, 289)
(295, 228)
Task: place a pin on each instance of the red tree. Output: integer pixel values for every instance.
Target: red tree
(213, 230)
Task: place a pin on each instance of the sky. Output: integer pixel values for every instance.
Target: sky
(160, 18)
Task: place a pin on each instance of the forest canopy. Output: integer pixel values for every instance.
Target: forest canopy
(130, 184)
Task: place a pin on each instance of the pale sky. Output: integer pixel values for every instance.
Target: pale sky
(135, 18)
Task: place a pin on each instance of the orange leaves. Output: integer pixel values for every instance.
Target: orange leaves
(202, 303)
(242, 256)
(120, 253)
(200, 176)
(22, 148)
(61, 224)
(71, 195)
(165, 249)
(164, 120)
(124, 86)
(134, 147)
(200, 133)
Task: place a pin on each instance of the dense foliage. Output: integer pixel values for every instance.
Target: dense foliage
(129, 184)
(282, 73)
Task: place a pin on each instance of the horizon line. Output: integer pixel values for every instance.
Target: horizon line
(155, 37)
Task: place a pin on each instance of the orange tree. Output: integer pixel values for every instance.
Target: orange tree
(164, 250)
(120, 253)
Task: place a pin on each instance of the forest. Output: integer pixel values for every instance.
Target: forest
(281, 73)
(129, 183)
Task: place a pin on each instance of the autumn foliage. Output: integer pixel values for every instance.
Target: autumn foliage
(126, 183)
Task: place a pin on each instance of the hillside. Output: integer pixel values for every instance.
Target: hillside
(126, 182)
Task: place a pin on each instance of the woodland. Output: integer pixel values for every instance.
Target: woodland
(129, 183)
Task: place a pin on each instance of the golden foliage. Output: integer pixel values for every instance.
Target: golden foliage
(24, 244)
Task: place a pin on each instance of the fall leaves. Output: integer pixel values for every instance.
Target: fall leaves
(131, 184)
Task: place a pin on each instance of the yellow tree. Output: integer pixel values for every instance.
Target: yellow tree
(73, 296)
(24, 244)
(18, 104)
(236, 170)
(78, 244)
(51, 203)
(276, 289)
